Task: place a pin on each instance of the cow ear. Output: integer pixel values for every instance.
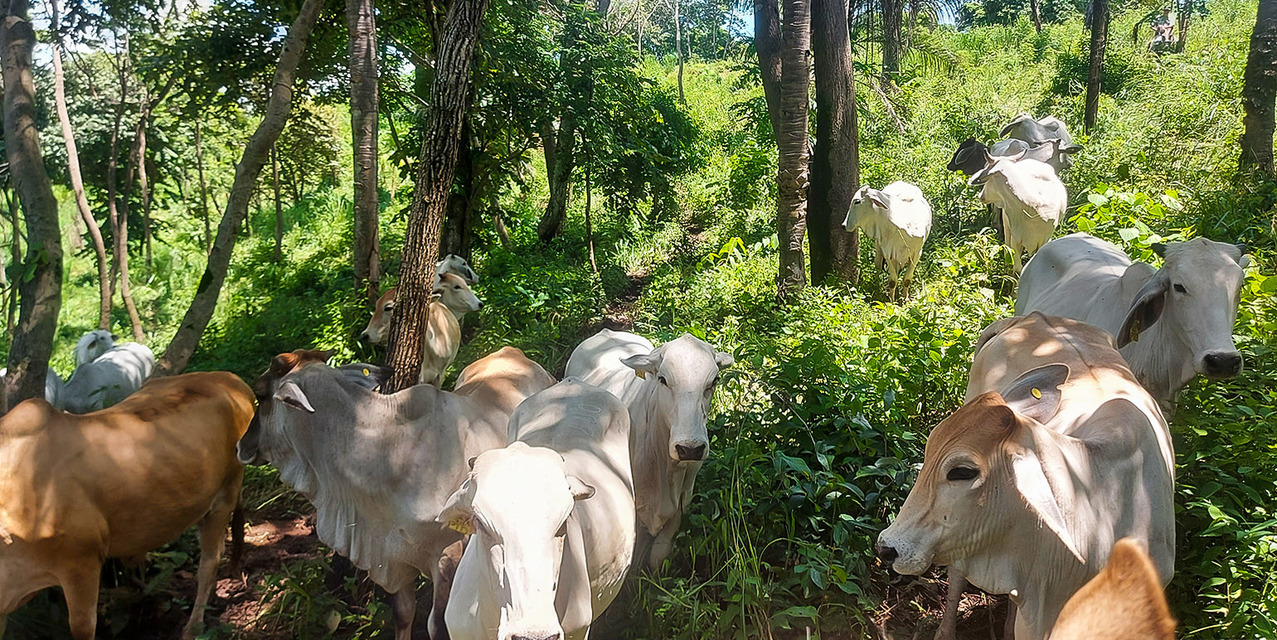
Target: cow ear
(1159, 249)
(281, 364)
(1145, 310)
(458, 511)
(1016, 157)
(723, 360)
(292, 395)
(470, 462)
(580, 490)
(1036, 393)
(880, 199)
(993, 330)
(246, 450)
(1031, 482)
(643, 363)
(1071, 148)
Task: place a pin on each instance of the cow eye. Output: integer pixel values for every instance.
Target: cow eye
(456, 287)
(1179, 288)
(389, 306)
(959, 474)
(662, 380)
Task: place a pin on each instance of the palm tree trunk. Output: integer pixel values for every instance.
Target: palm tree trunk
(1259, 91)
(439, 148)
(77, 181)
(835, 164)
(791, 142)
(247, 171)
(892, 15)
(1095, 76)
(41, 291)
(361, 22)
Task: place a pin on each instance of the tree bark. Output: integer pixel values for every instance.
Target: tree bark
(15, 248)
(361, 21)
(1259, 91)
(1035, 9)
(247, 171)
(199, 169)
(892, 16)
(792, 146)
(560, 179)
(1095, 76)
(279, 207)
(41, 290)
(77, 181)
(144, 184)
(835, 164)
(435, 168)
(118, 208)
(767, 42)
(457, 224)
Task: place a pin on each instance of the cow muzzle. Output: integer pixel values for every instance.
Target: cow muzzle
(537, 634)
(689, 451)
(1222, 364)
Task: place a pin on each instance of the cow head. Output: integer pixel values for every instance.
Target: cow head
(455, 294)
(93, 344)
(981, 474)
(1194, 298)
(378, 328)
(969, 157)
(278, 393)
(866, 200)
(682, 375)
(456, 265)
(1123, 602)
(515, 503)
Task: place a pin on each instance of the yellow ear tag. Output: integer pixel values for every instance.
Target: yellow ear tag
(1036, 393)
(461, 525)
(365, 371)
(1135, 332)
(641, 374)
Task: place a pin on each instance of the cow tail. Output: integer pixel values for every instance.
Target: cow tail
(237, 536)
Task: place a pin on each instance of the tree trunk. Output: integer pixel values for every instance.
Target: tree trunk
(41, 290)
(15, 248)
(434, 178)
(678, 49)
(1095, 76)
(1259, 91)
(247, 171)
(767, 42)
(892, 15)
(1035, 9)
(144, 185)
(457, 225)
(791, 142)
(560, 179)
(361, 21)
(279, 207)
(199, 168)
(77, 181)
(835, 164)
(117, 207)
(589, 225)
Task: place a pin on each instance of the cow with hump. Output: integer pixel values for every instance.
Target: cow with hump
(668, 391)
(551, 519)
(380, 468)
(1057, 453)
(118, 483)
(1171, 323)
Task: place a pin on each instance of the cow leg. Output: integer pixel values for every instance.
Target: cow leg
(909, 276)
(80, 587)
(663, 543)
(441, 581)
(212, 532)
(893, 279)
(404, 604)
(1008, 628)
(949, 619)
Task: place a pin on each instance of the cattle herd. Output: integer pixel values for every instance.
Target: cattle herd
(528, 500)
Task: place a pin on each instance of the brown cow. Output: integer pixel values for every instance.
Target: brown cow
(118, 483)
(1124, 602)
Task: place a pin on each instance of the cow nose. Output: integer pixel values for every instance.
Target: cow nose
(1223, 364)
(480, 305)
(690, 453)
(537, 636)
(363, 337)
(888, 554)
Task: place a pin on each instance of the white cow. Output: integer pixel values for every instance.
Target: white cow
(1036, 130)
(109, 378)
(898, 220)
(1031, 197)
(668, 390)
(379, 468)
(1171, 323)
(457, 266)
(1025, 490)
(53, 386)
(543, 561)
(93, 344)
